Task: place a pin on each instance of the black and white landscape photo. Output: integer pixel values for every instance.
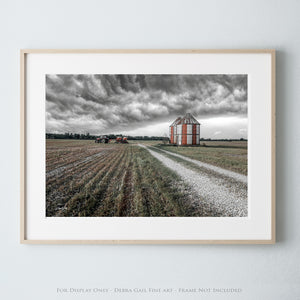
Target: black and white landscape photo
(146, 145)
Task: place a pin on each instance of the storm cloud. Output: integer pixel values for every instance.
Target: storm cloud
(111, 103)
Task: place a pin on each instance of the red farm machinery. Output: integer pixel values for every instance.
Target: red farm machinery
(121, 140)
(102, 139)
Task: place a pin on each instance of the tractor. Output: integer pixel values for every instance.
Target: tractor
(102, 139)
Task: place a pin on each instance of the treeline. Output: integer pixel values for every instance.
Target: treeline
(70, 136)
(87, 136)
(148, 138)
(223, 140)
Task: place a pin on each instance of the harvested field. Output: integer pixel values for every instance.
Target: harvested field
(84, 179)
(88, 179)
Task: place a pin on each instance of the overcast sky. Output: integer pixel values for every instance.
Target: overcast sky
(146, 104)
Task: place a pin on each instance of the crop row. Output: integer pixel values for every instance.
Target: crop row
(125, 181)
(83, 176)
(58, 157)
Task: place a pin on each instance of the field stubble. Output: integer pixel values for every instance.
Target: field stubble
(88, 179)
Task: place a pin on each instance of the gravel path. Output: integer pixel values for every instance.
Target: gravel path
(231, 174)
(224, 195)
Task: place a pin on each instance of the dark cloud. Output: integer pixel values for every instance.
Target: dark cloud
(97, 103)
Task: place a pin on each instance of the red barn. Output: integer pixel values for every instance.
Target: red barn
(185, 131)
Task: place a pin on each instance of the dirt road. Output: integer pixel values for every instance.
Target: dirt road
(217, 191)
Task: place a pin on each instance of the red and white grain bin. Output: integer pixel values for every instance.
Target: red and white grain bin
(173, 130)
(185, 131)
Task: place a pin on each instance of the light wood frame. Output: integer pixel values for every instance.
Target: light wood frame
(23, 54)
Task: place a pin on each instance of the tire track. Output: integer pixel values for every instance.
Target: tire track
(74, 164)
(225, 197)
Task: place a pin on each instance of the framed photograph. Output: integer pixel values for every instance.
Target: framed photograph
(148, 146)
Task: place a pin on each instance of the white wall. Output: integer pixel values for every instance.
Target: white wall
(262, 272)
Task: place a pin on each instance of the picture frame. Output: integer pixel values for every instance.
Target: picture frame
(257, 227)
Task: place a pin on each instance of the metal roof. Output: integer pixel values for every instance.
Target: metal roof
(188, 119)
(176, 121)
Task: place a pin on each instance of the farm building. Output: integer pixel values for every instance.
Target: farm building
(185, 131)
(173, 130)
